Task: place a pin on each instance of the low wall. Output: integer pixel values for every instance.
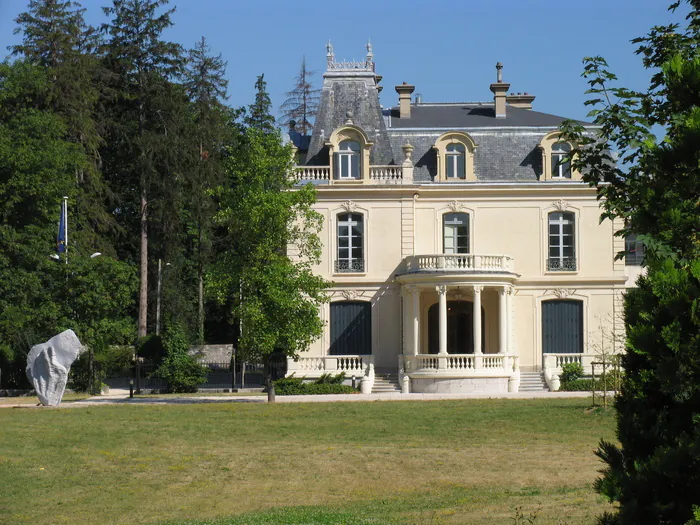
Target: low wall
(485, 385)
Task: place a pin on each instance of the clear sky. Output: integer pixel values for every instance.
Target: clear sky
(448, 50)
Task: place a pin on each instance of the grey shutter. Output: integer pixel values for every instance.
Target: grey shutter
(562, 327)
(351, 328)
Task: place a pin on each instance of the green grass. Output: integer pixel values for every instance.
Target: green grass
(33, 400)
(467, 461)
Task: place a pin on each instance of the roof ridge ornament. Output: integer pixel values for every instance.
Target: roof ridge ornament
(350, 65)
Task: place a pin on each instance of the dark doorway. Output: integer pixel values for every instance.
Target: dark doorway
(460, 328)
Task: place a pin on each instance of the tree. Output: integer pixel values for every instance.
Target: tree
(654, 475)
(278, 295)
(206, 88)
(259, 115)
(301, 105)
(141, 149)
(56, 38)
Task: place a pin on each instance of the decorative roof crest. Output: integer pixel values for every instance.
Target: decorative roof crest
(347, 65)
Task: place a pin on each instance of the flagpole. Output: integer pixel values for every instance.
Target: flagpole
(65, 224)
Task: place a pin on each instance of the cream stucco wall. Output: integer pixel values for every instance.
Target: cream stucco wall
(505, 219)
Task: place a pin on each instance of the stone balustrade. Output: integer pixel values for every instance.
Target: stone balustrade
(459, 262)
(461, 365)
(385, 174)
(303, 173)
(313, 367)
(377, 175)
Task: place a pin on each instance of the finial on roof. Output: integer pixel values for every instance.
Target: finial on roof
(370, 55)
(499, 72)
(348, 118)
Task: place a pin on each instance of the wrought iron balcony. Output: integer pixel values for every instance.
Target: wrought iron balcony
(350, 266)
(561, 264)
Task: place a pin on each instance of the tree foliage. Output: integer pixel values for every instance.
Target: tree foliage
(301, 104)
(654, 186)
(259, 112)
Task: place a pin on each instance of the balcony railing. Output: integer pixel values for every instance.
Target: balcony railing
(377, 174)
(350, 266)
(308, 366)
(461, 262)
(561, 264)
(463, 365)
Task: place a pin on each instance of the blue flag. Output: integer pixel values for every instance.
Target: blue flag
(62, 237)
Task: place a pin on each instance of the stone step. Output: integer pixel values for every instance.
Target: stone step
(532, 382)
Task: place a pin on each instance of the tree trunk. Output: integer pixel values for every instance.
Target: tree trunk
(269, 385)
(200, 297)
(143, 266)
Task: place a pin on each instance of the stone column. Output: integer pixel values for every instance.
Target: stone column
(477, 319)
(502, 320)
(407, 320)
(415, 321)
(509, 319)
(442, 300)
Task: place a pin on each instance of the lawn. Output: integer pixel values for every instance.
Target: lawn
(458, 462)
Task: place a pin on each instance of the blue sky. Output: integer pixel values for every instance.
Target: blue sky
(448, 50)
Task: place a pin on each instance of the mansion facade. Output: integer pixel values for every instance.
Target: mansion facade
(465, 253)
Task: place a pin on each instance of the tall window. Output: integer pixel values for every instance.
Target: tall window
(634, 251)
(455, 232)
(348, 160)
(560, 168)
(350, 243)
(455, 161)
(351, 328)
(561, 242)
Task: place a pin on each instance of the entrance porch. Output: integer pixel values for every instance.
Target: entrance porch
(457, 324)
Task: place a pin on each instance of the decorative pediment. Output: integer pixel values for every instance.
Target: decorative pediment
(350, 206)
(561, 205)
(455, 206)
(351, 295)
(563, 293)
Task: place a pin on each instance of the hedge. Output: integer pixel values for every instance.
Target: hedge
(295, 386)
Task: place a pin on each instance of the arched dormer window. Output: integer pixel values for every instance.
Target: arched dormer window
(561, 165)
(348, 160)
(556, 163)
(455, 157)
(349, 148)
(455, 161)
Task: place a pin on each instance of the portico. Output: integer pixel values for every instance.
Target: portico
(458, 319)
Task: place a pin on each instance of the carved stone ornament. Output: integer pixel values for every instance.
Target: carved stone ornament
(350, 206)
(457, 295)
(351, 295)
(561, 205)
(563, 293)
(455, 206)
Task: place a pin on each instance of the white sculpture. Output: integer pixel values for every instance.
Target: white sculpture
(48, 365)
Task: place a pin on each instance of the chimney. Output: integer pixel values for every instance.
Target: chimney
(404, 90)
(499, 89)
(521, 100)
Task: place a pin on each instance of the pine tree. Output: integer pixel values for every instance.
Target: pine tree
(259, 115)
(654, 475)
(206, 89)
(142, 146)
(301, 105)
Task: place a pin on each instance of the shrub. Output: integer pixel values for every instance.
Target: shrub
(326, 384)
(181, 371)
(571, 372)
(577, 385)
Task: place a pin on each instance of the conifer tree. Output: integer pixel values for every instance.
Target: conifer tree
(301, 105)
(144, 116)
(259, 116)
(206, 89)
(654, 475)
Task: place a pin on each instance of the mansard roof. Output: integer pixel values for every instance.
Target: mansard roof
(468, 115)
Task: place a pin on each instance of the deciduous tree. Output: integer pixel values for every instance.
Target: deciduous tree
(302, 101)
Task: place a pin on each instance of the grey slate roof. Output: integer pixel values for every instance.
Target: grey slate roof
(469, 115)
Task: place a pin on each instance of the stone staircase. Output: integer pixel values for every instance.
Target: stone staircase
(532, 382)
(386, 383)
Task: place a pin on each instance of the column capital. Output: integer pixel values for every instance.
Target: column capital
(510, 290)
(410, 289)
(441, 289)
(503, 290)
(477, 289)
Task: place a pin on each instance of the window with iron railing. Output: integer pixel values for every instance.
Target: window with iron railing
(350, 243)
(562, 255)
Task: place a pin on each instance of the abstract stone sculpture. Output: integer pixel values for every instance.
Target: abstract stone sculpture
(48, 365)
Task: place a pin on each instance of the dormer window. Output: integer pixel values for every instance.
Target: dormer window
(455, 155)
(561, 167)
(347, 165)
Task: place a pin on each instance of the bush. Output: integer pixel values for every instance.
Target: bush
(577, 385)
(181, 371)
(571, 372)
(326, 384)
